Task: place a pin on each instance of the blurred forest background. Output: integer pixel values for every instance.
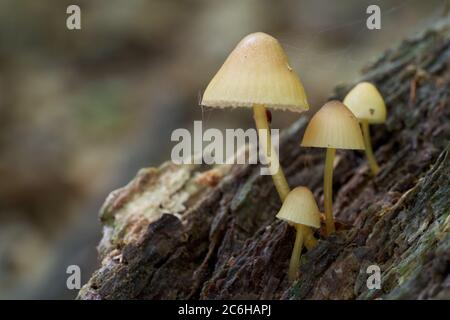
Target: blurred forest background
(82, 111)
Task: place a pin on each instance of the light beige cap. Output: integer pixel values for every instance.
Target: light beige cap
(333, 126)
(256, 72)
(300, 207)
(366, 103)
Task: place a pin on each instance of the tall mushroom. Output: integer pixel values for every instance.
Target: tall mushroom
(333, 127)
(299, 208)
(367, 104)
(257, 75)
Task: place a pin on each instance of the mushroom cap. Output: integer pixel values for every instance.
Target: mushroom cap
(366, 103)
(333, 126)
(257, 71)
(300, 207)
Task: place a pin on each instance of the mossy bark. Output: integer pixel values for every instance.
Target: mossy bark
(178, 232)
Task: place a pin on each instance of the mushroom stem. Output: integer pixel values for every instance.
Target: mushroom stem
(296, 253)
(368, 147)
(260, 116)
(328, 190)
(262, 125)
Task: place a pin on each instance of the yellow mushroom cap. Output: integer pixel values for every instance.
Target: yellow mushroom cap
(366, 103)
(300, 207)
(333, 126)
(257, 71)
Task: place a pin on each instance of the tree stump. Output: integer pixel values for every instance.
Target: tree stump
(198, 232)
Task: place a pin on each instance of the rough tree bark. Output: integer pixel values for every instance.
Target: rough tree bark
(178, 232)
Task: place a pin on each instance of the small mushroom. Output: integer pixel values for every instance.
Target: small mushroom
(299, 208)
(333, 127)
(367, 104)
(257, 75)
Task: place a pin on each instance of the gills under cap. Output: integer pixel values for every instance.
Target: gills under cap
(333, 126)
(257, 71)
(366, 103)
(300, 207)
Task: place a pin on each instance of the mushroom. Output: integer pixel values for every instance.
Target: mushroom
(257, 75)
(299, 208)
(367, 104)
(333, 127)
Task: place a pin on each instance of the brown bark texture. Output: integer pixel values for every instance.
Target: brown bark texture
(199, 232)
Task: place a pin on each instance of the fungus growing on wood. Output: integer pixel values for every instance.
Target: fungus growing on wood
(257, 75)
(367, 104)
(333, 127)
(299, 208)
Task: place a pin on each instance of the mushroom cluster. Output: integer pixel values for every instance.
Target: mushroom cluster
(257, 75)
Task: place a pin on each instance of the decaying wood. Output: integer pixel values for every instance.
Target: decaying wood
(178, 232)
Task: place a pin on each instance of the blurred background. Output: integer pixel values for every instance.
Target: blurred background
(81, 111)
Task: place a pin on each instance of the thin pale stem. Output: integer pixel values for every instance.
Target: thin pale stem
(264, 135)
(296, 254)
(279, 180)
(328, 190)
(369, 152)
(309, 239)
